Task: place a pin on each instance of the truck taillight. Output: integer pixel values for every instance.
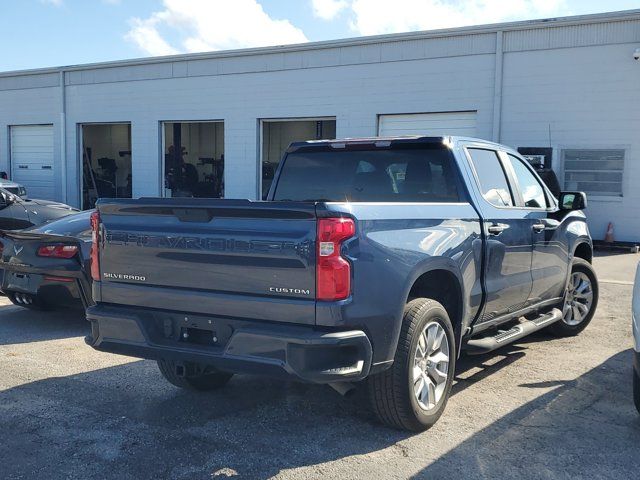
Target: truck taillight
(333, 278)
(95, 240)
(57, 251)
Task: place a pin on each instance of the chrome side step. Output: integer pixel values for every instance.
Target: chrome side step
(477, 346)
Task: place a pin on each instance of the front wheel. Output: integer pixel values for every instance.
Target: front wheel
(413, 392)
(580, 301)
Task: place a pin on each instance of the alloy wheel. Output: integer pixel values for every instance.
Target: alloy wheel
(579, 299)
(431, 366)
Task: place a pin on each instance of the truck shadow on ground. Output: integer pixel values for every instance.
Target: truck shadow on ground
(127, 422)
(583, 428)
(21, 325)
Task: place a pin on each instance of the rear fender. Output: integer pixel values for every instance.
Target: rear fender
(430, 265)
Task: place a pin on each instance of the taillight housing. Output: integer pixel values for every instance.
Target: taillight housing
(95, 240)
(57, 251)
(333, 272)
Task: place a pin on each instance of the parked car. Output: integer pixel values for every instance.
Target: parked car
(48, 266)
(13, 187)
(372, 260)
(18, 213)
(636, 337)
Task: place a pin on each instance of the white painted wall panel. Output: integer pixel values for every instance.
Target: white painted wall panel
(355, 95)
(579, 98)
(449, 123)
(29, 81)
(32, 159)
(573, 36)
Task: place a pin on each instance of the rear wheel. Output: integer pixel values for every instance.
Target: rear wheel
(413, 392)
(193, 376)
(580, 301)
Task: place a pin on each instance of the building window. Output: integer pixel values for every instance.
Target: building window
(594, 171)
(193, 159)
(278, 134)
(106, 162)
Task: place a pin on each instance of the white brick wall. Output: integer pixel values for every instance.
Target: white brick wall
(30, 106)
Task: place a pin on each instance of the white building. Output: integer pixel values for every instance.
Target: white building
(571, 85)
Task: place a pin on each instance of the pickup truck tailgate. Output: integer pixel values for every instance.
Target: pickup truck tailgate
(233, 258)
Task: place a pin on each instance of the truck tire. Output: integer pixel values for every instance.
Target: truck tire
(580, 302)
(199, 377)
(413, 392)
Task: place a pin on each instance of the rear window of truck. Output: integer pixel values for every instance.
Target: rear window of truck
(395, 175)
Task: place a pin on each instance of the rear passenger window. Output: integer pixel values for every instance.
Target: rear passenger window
(396, 175)
(493, 180)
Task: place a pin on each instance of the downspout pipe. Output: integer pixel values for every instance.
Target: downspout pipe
(497, 89)
(63, 135)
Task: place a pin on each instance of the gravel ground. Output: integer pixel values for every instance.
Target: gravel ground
(543, 408)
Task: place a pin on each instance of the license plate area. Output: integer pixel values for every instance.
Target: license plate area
(194, 330)
(199, 336)
(19, 281)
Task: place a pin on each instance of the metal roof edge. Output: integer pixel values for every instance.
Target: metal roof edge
(348, 42)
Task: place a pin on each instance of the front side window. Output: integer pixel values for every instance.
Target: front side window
(530, 188)
(425, 174)
(493, 180)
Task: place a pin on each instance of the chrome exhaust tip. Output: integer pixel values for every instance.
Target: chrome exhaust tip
(17, 297)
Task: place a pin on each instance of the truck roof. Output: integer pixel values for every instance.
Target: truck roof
(400, 139)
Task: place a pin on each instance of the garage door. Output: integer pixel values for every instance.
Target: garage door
(450, 123)
(32, 159)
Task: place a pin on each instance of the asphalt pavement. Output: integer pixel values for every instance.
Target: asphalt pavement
(543, 408)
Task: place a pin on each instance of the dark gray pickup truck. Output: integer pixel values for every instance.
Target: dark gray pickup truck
(375, 260)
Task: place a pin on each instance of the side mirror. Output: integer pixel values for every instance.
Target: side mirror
(572, 200)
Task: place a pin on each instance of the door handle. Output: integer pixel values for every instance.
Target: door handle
(538, 227)
(495, 229)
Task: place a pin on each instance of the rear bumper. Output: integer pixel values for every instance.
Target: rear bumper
(237, 346)
(53, 289)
